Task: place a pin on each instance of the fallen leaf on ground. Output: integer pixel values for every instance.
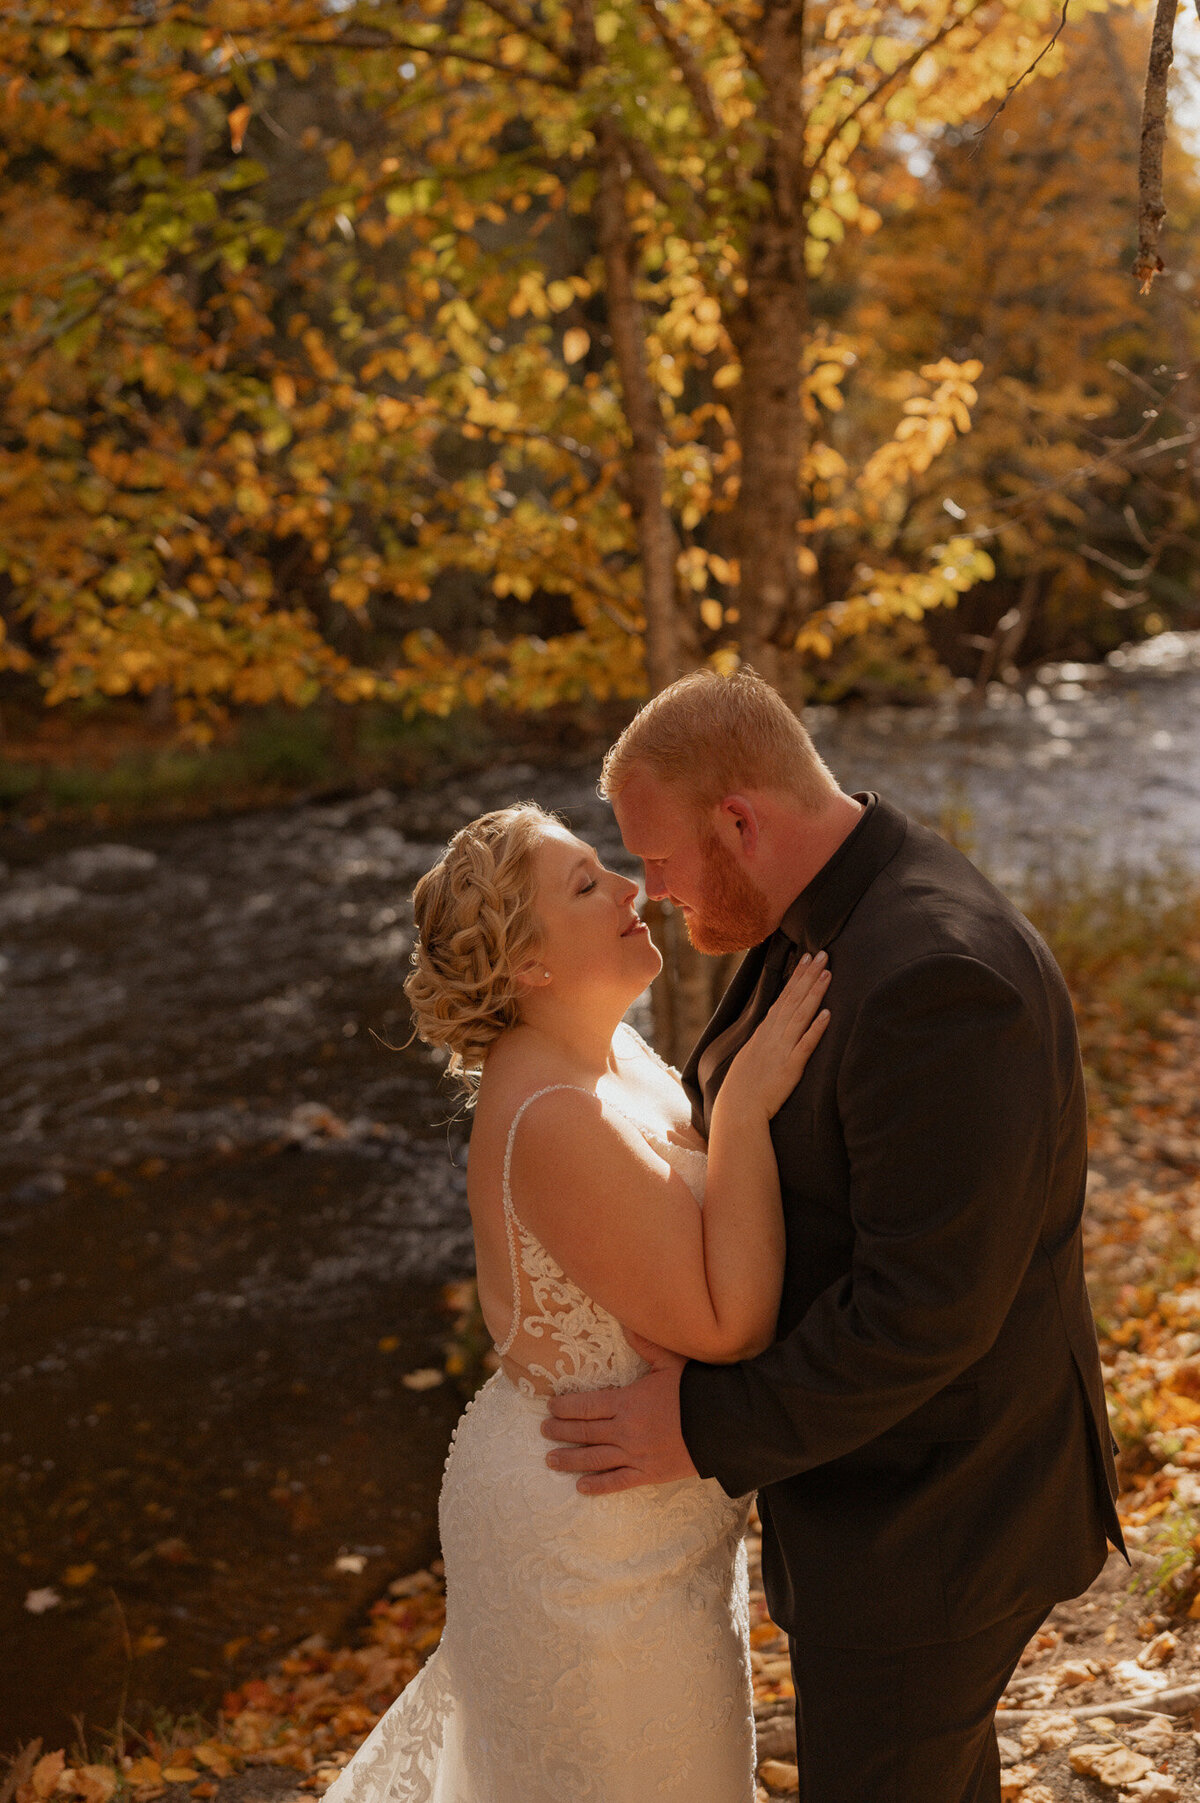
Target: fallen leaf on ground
(1111, 1765)
(46, 1773)
(1163, 1647)
(1046, 1731)
(1154, 1736)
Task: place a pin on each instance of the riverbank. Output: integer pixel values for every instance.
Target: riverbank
(116, 767)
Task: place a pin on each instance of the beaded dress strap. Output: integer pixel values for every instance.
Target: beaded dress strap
(645, 1046)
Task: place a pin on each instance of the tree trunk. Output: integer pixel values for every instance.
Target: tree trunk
(769, 330)
(683, 998)
(657, 543)
(1164, 296)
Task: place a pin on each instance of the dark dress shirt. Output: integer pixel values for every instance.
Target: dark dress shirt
(928, 1435)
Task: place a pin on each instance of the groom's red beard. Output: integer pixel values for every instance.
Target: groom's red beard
(733, 913)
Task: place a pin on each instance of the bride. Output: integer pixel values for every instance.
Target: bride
(595, 1647)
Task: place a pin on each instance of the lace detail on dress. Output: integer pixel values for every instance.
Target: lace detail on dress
(559, 1339)
(596, 1648)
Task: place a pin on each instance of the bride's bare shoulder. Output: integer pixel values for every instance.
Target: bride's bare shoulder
(513, 1073)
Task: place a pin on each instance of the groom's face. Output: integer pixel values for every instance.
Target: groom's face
(689, 864)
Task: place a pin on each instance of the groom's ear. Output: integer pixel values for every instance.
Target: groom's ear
(739, 813)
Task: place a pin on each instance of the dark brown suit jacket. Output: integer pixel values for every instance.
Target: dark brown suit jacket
(928, 1435)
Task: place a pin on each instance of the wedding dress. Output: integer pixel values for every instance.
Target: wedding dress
(595, 1648)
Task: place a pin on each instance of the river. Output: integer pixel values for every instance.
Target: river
(230, 1194)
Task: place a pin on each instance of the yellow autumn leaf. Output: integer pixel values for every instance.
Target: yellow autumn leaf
(576, 343)
(824, 224)
(712, 613)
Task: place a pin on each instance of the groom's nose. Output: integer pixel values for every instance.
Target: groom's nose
(656, 888)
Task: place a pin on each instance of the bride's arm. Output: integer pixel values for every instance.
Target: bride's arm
(625, 1227)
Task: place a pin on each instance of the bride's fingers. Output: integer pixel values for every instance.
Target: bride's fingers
(806, 977)
(802, 1050)
(798, 1006)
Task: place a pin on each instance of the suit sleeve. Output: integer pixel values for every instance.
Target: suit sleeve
(948, 1105)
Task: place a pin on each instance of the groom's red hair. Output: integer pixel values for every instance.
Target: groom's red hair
(714, 735)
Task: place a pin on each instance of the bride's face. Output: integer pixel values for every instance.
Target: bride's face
(591, 936)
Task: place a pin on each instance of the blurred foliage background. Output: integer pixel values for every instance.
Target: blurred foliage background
(517, 354)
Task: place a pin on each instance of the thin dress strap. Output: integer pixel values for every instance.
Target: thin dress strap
(510, 1221)
(645, 1046)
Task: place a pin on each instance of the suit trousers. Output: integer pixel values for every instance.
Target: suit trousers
(905, 1724)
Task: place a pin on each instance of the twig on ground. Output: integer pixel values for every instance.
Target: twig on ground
(1163, 1702)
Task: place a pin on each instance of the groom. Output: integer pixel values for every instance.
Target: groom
(928, 1434)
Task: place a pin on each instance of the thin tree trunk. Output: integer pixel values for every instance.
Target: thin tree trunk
(657, 543)
(769, 329)
(1164, 296)
(1151, 206)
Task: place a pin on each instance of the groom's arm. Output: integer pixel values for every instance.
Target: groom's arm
(949, 1103)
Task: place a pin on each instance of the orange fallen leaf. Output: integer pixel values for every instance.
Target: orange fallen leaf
(46, 1773)
(143, 1771)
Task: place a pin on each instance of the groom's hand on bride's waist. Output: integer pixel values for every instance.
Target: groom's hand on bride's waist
(618, 1439)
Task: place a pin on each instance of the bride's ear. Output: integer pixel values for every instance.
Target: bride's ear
(532, 974)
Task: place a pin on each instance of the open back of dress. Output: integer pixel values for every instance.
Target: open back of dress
(596, 1648)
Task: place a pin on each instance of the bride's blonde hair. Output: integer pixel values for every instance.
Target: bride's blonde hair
(476, 928)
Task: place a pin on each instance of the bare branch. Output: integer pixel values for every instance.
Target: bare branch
(1026, 73)
(693, 76)
(445, 52)
(881, 87)
(647, 169)
(1151, 207)
(366, 38)
(525, 27)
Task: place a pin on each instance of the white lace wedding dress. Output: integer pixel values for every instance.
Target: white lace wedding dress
(595, 1648)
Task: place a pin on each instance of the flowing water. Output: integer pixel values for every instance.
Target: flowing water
(228, 1207)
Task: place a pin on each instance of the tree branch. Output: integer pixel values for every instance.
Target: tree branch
(354, 38)
(1151, 207)
(525, 27)
(693, 76)
(1026, 73)
(881, 87)
(645, 166)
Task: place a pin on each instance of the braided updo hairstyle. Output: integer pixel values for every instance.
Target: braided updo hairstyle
(475, 929)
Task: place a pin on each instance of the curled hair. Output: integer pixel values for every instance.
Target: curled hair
(476, 928)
